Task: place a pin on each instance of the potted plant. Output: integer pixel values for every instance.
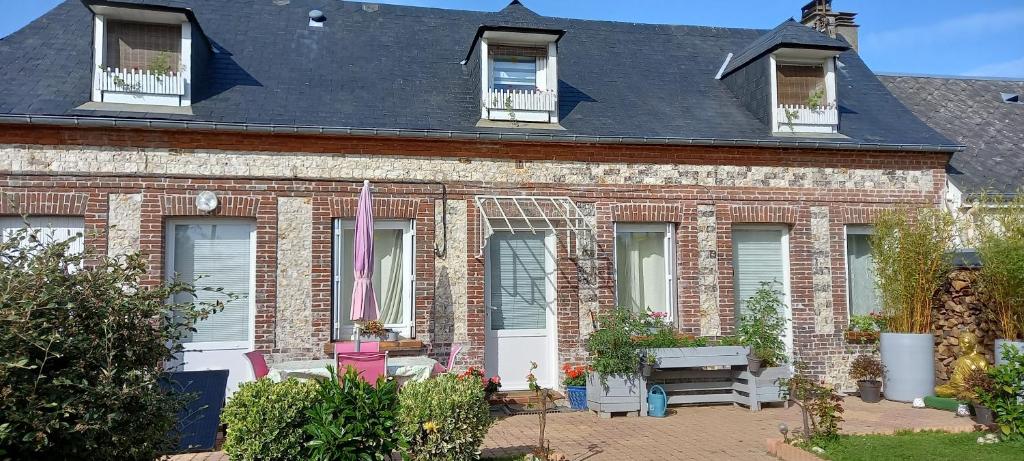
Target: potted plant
(1004, 397)
(491, 385)
(911, 254)
(1000, 246)
(863, 329)
(613, 383)
(976, 383)
(762, 328)
(575, 383)
(868, 372)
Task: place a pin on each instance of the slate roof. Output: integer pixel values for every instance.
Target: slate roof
(387, 67)
(788, 34)
(971, 112)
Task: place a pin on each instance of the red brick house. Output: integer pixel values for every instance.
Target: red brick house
(529, 172)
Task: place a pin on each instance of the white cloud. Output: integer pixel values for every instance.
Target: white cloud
(977, 24)
(1011, 68)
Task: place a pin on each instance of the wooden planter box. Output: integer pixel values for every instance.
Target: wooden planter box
(708, 356)
(861, 337)
(753, 390)
(713, 374)
(618, 393)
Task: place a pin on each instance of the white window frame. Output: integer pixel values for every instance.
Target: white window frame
(547, 73)
(670, 259)
(339, 329)
(829, 64)
(787, 290)
(852, 229)
(169, 276)
(185, 68)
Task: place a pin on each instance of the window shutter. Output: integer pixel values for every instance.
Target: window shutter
(757, 257)
(49, 229)
(518, 286)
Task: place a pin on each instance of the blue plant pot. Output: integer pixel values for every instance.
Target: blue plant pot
(577, 397)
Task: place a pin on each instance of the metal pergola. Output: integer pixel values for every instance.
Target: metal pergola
(533, 214)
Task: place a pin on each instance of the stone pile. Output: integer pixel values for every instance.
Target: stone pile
(958, 308)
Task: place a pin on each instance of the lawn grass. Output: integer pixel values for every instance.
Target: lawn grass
(929, 445)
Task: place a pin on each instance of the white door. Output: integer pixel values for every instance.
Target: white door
(520, 300)
(761, 254)
(221, 252)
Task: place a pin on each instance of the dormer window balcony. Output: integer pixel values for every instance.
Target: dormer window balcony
(804, 95)
(519, 76)
(142, 57)
(514, 86)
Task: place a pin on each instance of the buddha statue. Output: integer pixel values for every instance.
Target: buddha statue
(970, 360)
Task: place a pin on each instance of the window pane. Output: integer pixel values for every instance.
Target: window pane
(640, 275)
(518, 286)
(860, 269)
(757, 257)
(515, 73)
(132, 45)
(797, 83)
(47, 229)
(221, 254)
(388, 280)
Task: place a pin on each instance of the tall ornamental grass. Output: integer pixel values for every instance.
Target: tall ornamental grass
(999, 240)
(912, 254)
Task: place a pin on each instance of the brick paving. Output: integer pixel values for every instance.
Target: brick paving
(689, 433)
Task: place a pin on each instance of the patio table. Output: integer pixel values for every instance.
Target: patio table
(405, 368)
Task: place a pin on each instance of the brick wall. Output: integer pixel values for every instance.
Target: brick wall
(703, 191)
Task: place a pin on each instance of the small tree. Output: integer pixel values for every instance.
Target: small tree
(1000, 244)
(82, 349)
(911, 253)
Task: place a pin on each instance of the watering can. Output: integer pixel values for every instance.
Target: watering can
(657, 400)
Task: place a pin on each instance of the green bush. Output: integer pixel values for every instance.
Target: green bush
(1004, 397)
(353, 420)
(612, 348)
(82, 350)
(444, 418)
(762, 326)
(266, 419)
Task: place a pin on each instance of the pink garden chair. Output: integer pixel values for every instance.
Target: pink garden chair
(258, 363)
(453, 353)
(350, 346)
(370, 365)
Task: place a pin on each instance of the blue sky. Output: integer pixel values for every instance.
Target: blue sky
(947, 37)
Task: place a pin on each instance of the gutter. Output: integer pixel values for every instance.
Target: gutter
(159, 124)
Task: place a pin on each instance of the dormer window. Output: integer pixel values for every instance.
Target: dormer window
(519, 76)
(142, 56)
(804, 95)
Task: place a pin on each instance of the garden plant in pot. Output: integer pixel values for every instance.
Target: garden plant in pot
(762, 326)
(1000, 245)
(613, 383)
(911, 251)
(868, 372)
(575, 383)
(977, 382)
(1006, 396)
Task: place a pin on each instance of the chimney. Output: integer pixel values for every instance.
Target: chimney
(819, 15)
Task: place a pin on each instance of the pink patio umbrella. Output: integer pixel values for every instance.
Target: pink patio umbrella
(364, 300)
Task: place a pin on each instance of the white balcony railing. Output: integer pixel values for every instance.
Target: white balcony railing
(140, 82)
(805, 118)
(526, 100)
